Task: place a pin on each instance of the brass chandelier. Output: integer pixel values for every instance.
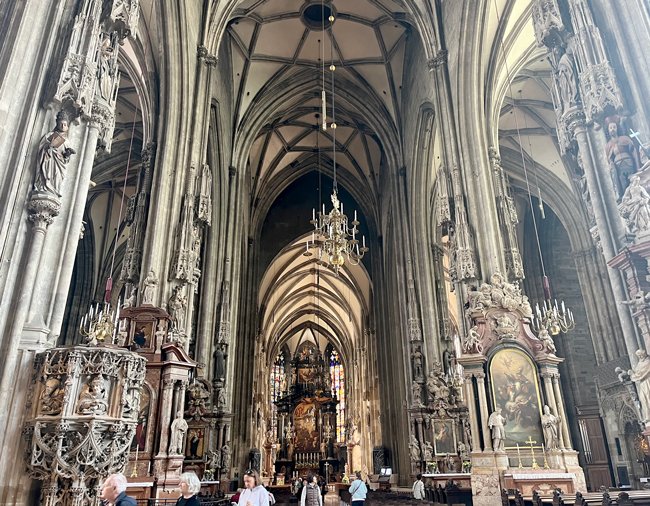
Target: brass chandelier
(337, 240)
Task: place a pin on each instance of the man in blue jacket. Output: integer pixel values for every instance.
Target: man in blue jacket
(114, 491)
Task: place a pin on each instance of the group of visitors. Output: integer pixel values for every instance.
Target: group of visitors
(113, 492)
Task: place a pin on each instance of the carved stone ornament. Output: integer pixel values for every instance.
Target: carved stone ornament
(547, 22)
(42, 209)
(414, 449)
(81, 421)
(472, 341)
(438, 60)
(506, 326)
(600, 92)
(125, 15)
(635, 207)
(441, 394)
(204, 199)
(498, 294)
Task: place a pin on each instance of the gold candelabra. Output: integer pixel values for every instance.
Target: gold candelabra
(99, 323)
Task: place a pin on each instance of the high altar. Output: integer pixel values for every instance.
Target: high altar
(306, 427)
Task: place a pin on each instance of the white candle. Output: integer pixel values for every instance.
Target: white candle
(364, 241)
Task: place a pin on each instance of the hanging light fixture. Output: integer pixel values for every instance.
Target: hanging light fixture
(551, 316)
(337, 238)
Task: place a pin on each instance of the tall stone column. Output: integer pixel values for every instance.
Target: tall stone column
(165, 416)
(550, 399)
(561, 411)
(473, 418)
(483, 405)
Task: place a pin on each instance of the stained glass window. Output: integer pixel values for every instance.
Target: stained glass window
(337, 374)
(278, 376)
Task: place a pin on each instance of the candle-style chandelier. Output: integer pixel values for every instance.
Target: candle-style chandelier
(337, 240)
(552, 317)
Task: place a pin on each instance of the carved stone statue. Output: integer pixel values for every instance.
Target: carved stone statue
(53, 155)
(177, 306)
(496, 424)
(416, 390)
(222, 401)
(622, 155)
(436, 387)
(462, 451)
(472, 342)
(52, 397)
(130, 301)
(414, 448)
(179, 428)
(639, 301)
(635, 206)
(427, 451)
(149, 287)
(225, 456)
(566, 78)
(640, 374)
(550, 425)
(93, 398)
(506, 326)
(547, 341)
(198, 399)
(417, 357)
(220, 363)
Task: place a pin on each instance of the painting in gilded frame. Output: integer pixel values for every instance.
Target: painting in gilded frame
(444, 437)
(515, 389)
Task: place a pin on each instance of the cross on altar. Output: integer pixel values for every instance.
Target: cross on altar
(530, 442)
(327, 472)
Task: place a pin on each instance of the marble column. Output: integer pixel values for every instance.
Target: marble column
(561, 412)
(165, 415)
(471, 403)
(550, 399)
(482, 400)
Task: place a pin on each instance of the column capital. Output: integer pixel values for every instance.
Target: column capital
(42, 208)
(438, 60)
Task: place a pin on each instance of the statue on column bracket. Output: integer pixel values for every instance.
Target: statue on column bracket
(416, 390)
(179, 428)
(417, 358)
(640, 374)
(225, 457)
(550, 425)
(177, 306)
(622, 155)
(427, 451)
(149, 288)
(565, 77)
(635, 207)
(496, 424)
(53, 155)
(414, 447)
(547, 341)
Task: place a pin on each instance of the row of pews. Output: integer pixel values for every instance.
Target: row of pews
(631, 498)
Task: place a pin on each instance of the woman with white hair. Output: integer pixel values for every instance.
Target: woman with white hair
(190, 486)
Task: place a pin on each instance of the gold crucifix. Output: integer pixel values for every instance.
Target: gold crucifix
(530, 443)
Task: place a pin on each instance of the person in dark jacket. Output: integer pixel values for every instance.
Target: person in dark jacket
(114, 491)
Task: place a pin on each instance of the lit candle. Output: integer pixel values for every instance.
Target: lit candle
(313, 214)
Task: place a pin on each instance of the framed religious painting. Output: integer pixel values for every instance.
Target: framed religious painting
(515, 389)
(444, 437)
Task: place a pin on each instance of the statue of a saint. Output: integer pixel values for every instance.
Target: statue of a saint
(427, 451)
(177, 305)
(417, 362)
(93, 398)
(496, 423)
(640, 374)
(635, 206)
(53, 155)
(149, 288)
(566, 79)
(222, 401)
(52, 397)
(472, 342)
(547, 341)
(550, 425)
(214, 460)
(623, 157)
(225, 457)
(416, 390)
(220, 363)
(414, 448)
(179, 428)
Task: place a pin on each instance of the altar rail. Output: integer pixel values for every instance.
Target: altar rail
(626, 498)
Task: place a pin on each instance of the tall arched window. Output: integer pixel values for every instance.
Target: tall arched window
(338, 390)
(277, 377)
